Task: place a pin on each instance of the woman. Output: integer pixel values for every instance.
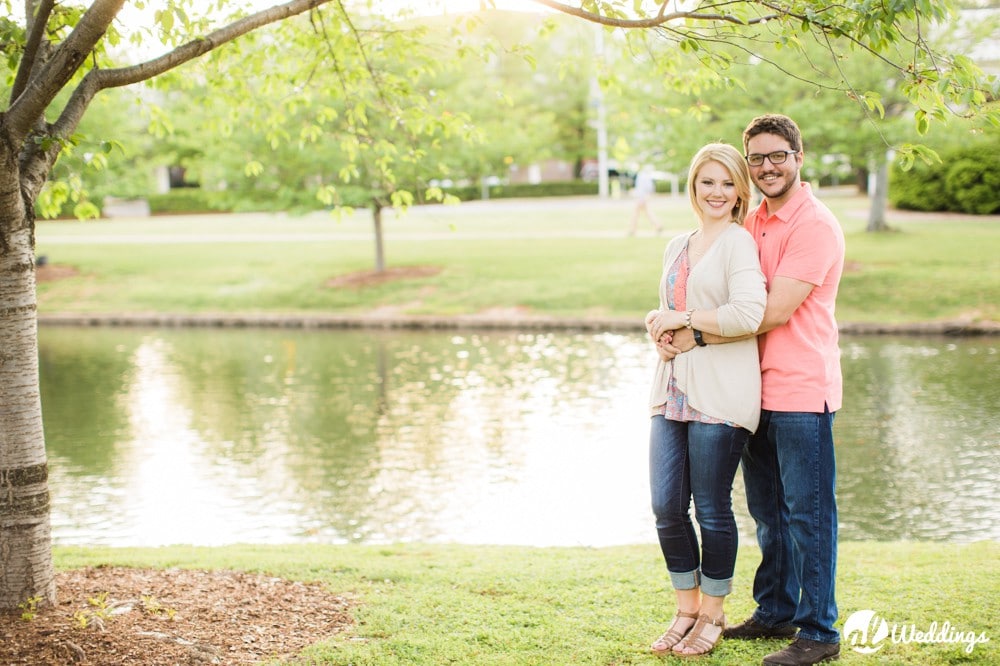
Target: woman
(705, 402)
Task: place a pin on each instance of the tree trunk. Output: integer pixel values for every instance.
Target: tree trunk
(379, 245)
(880, 197)
(26, 571)
(861, 179)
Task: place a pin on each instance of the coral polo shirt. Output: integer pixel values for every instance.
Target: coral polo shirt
(800, 360)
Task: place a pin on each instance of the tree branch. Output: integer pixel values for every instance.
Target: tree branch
(36, 29)
(100, 79)
(44, 82)
(661, 17)
(364, 54)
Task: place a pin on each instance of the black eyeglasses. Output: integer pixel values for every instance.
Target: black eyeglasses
(777, 157)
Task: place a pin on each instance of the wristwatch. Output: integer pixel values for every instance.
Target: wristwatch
(698, 340)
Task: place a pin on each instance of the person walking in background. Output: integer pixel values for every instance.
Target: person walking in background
(645, 188)
(789, 467)
(704, 404)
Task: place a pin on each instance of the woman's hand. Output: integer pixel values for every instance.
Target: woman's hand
(663, 321)
(650, 316)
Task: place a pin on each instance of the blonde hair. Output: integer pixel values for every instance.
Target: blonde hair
(733, 162)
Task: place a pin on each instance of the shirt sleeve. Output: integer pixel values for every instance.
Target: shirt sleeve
(747, 293)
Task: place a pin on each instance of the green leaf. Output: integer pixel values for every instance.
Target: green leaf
(327, 195)
(401, 199)
(922, 122)
(164, 19)
(86, 210)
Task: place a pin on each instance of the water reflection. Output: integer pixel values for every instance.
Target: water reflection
(922, 438)
(269, 436)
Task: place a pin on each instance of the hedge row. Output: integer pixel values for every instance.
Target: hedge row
(186, 200)
(966, 181)
(551, 189)
(193, 200)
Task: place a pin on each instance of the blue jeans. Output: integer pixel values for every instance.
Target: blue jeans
(699, 460)
(789, 470)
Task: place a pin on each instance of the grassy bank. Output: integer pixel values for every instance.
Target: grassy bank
(422, 604)
(565, 258)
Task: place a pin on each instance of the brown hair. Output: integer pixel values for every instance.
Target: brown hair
(774, 123)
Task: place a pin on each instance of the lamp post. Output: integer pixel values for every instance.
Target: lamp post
(600, 123)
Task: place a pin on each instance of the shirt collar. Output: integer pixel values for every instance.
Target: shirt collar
(791, 207)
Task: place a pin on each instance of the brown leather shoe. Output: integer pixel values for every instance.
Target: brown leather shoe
(804, 652)
(751, 629)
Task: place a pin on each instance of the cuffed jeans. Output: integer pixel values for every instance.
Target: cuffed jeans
(789, 470)
(699, 460)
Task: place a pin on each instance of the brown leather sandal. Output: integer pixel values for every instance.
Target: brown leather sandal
(695, 639)
(673, 635)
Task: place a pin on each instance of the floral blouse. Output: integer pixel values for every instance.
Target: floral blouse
(676, 408)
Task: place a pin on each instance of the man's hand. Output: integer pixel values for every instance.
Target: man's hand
(682, 341)
(669, 341)
(664, 348)
(673, 343)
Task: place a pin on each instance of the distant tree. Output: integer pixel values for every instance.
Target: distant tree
(534, 74)
(333, 138)
(513, 70)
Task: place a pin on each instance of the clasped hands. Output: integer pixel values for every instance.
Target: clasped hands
(663, 327)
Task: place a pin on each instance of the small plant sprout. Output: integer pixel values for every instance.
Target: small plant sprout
(29, 608)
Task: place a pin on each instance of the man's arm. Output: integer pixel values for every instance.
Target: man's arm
(785, 296)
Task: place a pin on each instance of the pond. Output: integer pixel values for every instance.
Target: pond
(216, 436)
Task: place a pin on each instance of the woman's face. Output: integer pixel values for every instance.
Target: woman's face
(715, 192)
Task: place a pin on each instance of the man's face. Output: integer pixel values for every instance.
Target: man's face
(777, 182)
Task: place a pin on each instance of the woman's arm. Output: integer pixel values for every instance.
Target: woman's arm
(744, 310)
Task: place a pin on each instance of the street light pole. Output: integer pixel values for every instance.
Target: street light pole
(597, 97)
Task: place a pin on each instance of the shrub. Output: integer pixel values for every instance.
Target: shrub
(967, 180)
(180, 201)
(547, 189)
(186, 200)
(974, 184)
(922, 187)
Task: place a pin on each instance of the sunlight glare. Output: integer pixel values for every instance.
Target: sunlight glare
(446, 7)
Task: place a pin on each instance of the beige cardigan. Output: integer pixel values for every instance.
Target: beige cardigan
(721, 380)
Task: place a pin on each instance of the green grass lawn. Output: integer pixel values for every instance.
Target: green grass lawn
(453, 604)
(560, 258)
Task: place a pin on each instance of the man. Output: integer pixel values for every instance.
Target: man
(789, 467)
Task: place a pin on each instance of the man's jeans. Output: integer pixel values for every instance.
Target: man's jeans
(695, 460)
(789, 470)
